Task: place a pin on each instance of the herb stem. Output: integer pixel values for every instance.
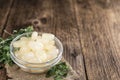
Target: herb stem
(4, 44)
(8, 33)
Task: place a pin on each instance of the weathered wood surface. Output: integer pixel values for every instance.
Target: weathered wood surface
(5, 6)
(89, 31)
(102, 61)
(15, 73)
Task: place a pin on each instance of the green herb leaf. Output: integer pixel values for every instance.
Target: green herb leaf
(58, 71)
(4, 45)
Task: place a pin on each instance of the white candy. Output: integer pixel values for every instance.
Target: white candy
(34, 35)
(33, 60)
(16, 44)
(41, 56)
(19, 43)
(24, 38)
(47, 36)
(52, 52)
(28, 56)
(35, 45)
(18, 54)
(51, 42)
(24, 49)
(36, 49)
(48, 48)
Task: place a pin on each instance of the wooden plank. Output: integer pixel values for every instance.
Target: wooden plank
(5, 6)
(25, 12)
(52, 16)
(2, 72)
(66, 30)
(102, 60)
(114, 31)
(15, 73)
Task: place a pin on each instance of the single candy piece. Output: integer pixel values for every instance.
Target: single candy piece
(34, 35)
(24, 38)
(24, 49)
(19, 43)
(35, 45)
(28, 56)
(53, 52)
(47, 36)
(37, 48)
(40, 55)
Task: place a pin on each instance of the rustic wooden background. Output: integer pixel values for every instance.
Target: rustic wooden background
(88, 29)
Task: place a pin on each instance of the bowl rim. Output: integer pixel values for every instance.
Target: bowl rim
(52, 60)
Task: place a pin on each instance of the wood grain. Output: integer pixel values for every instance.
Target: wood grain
(15, 73)
(5, 6)
(102, 61)
(88, 29)
(66, 31)
(49, 16)
(22, 15)
(2, 72)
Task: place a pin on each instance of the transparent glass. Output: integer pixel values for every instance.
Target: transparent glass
(36, 67)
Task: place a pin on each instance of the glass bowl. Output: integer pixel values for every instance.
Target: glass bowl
(36, 67)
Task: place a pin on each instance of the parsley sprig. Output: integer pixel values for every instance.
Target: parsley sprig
(4, 45)
(58, 71)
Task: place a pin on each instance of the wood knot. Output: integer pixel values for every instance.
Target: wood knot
(1, 67)
(35, 22)
(9, 77)
(80, 1)
(43, 20)
(74, 54)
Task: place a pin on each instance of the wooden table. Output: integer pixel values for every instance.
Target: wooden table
(89, 31)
